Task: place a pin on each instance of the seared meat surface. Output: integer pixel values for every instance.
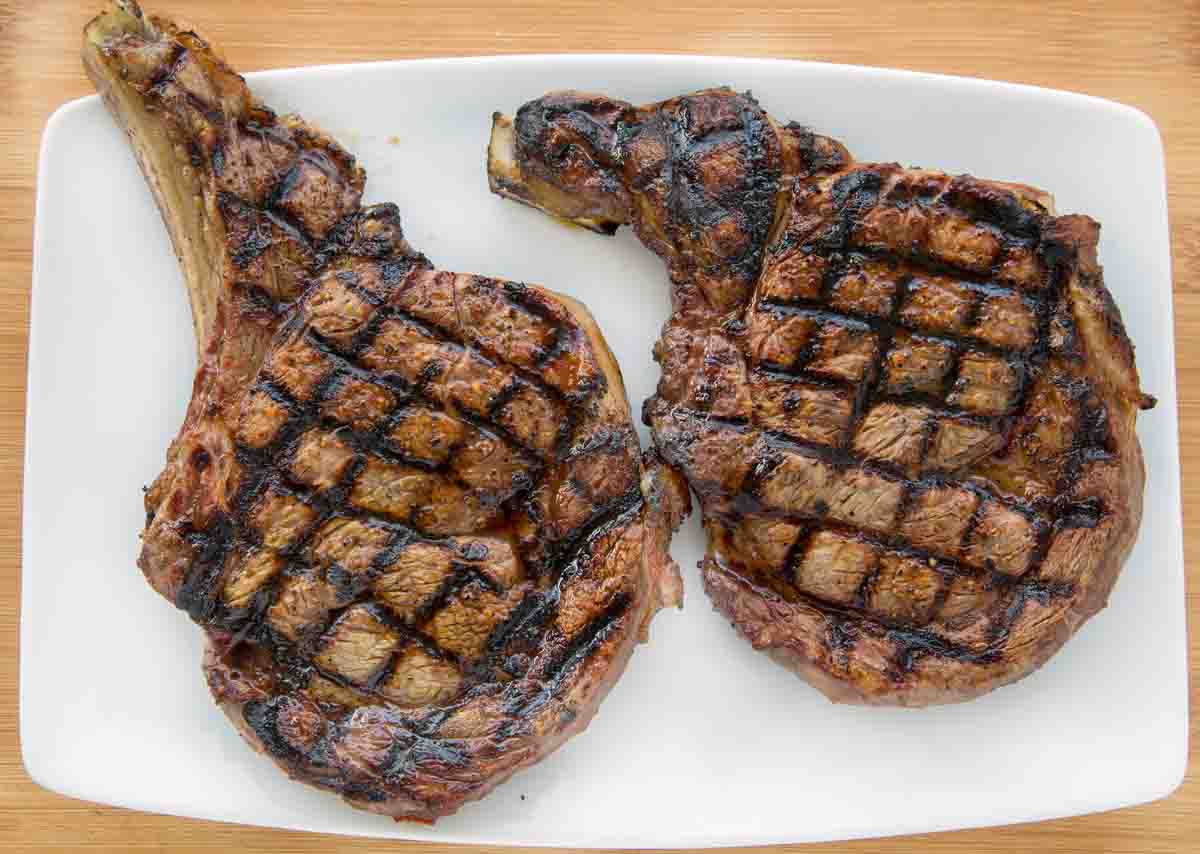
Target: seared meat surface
(906, 400)
(407, 506)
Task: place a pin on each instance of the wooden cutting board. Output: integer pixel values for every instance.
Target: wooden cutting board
(1142, 52)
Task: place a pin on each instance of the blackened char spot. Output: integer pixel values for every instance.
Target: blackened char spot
(394, 270)
(590, 119)
(522, 629)
(853, 194)
(309, 157)
(1041, 592)
(816, 158)
(430, 373)
(841, 635)
(262, 716)
(577, 651)
(581, 648)
(460, 578)
(1094, 428)
(859, 183)
(363, 792)
(212, 545)
(913, 644)
(256, 300)
(201, 459)
(994, 205)
(1055, 253)
(762, 174)
(1081, 514)
(170, 66)
(195, 156)
(603, 520)
(256, 242)
(411, 750)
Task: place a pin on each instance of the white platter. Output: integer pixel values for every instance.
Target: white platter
(703, 742)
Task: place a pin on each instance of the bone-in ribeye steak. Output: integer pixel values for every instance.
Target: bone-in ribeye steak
(406, 506)
(906, 400)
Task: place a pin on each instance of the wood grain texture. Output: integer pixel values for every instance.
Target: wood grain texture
(1142, 52)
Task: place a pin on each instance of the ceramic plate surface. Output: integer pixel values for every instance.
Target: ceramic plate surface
(703, 741)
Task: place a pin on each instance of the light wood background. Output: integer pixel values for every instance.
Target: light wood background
(1142, 52)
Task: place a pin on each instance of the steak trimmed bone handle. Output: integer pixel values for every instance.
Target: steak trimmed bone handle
(406, 506)
(906, 400)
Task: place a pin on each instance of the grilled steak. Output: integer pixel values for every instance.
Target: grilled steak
(406, 506)
(906, 400)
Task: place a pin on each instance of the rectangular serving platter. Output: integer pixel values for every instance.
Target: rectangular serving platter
(703, 742)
